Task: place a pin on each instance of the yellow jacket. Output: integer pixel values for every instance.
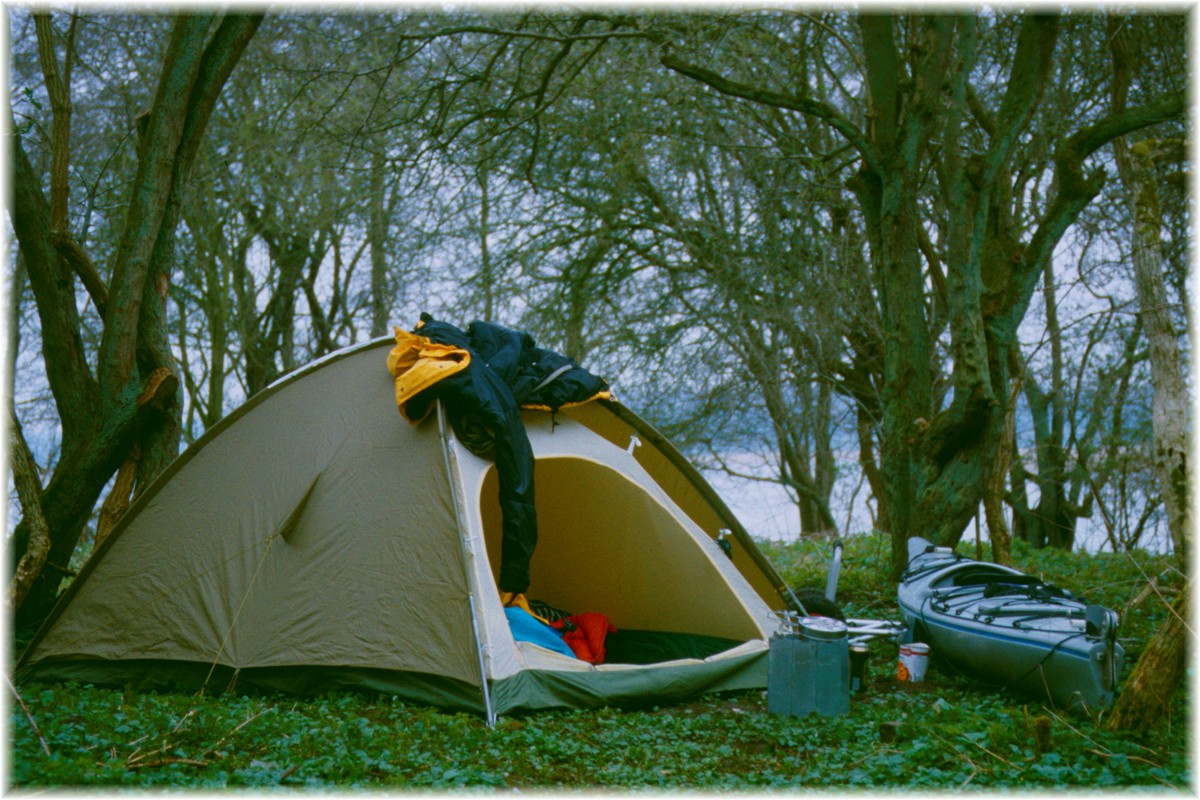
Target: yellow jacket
(417, 363)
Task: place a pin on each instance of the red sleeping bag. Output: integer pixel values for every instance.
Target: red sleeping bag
(584, 634)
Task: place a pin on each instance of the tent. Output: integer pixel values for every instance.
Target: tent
(315, 540)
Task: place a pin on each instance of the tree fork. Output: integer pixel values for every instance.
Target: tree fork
(130, 397)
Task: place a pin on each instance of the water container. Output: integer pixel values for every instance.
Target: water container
(808, 669)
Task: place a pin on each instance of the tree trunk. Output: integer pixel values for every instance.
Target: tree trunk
(131, 398)
(997, 479)
(825, 458)
(266, 337)
(864, 426)
(119, 497)
(1162, 666)
(1171, 407)
(1146, 697)
(16, 289)
(216, 291)
(1052, 522)
(1135, 165)
(1051, 451)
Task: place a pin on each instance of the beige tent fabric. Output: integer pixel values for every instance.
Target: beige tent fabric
(680, 489)
(370, 573)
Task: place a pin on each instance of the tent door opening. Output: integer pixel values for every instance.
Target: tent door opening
(606, 545)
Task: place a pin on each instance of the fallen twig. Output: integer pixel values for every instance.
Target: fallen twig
(137, 757)
(1153, 584)
(957, 752)
(227, 736)
(1079, 732)
(1167, 783)
(28, 716)
(183, 719)
(989, 752)
(1150, 588)
(166, 762)
(1126, 755)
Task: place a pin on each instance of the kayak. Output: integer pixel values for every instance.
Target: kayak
(998, 625)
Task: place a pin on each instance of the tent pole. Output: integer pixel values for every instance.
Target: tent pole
(487, 697)
(451, 476)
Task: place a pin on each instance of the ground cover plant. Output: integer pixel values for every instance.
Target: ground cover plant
(943, 733)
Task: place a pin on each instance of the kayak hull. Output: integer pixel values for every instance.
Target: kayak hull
(994, 624)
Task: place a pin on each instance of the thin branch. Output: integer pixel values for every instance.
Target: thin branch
(28, 716)
(163, 762)
(805, 105)
(980, 112)
(79, 262)
(1075, 190)
(60, 107)
(229, 735)
(1090, 139)
(519, 34)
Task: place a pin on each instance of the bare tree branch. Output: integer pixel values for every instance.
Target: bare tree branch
(803, 104)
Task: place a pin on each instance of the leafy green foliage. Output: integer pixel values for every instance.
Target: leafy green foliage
(942, 733)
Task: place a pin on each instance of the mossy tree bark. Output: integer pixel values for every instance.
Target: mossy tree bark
(125, 397)
(1137, 166)
(1162, 667)
(1170, 411)
(1159, 672)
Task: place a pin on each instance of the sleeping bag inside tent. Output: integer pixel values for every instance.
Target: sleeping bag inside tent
(314, 539)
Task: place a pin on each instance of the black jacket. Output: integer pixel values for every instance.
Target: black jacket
(483, 402)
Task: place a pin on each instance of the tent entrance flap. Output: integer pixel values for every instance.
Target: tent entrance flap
(606, 545)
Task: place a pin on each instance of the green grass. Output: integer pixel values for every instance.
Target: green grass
(941, 734)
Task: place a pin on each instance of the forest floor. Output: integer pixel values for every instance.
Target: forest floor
(942, 733)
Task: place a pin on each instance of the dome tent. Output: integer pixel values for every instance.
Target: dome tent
(314, 539)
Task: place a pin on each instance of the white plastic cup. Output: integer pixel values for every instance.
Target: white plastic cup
(914, 659)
